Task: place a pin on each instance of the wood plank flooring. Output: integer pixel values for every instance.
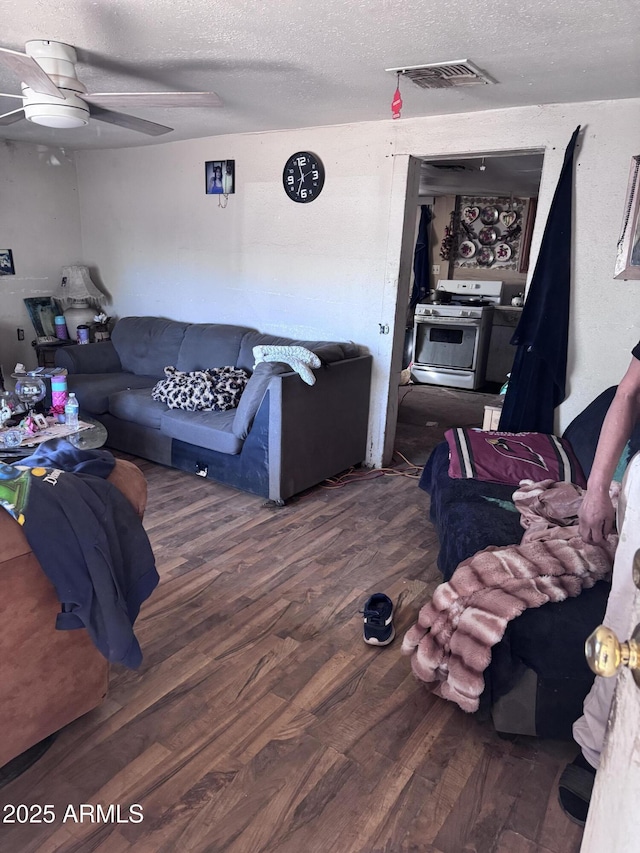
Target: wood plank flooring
(260, 722)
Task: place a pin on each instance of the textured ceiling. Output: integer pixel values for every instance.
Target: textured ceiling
(306, 63)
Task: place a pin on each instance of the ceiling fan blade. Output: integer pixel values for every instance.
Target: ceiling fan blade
(29, 72)
(154, 99)
(13, 116)
(151, 128)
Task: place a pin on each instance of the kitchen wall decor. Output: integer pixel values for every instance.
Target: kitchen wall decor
(489, 232)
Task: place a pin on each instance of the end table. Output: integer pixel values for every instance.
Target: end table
(46, 353)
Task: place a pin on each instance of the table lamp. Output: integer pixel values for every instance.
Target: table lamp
(78, 297)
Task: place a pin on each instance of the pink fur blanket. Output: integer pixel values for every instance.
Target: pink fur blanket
(450, 645)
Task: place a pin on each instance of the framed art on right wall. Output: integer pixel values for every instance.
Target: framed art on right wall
(6, 262)
(628, 253)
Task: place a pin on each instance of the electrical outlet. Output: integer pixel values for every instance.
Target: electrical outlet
(435, 269)
(20, 334)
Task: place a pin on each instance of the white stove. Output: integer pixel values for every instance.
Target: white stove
(452, 332)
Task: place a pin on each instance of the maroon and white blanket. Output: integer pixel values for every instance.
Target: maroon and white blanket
(450, 645)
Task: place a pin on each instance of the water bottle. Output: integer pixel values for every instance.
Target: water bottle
(71, 412)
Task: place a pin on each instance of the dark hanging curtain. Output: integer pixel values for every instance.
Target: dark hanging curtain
(420, 290)
(421, 259)
(538, 375)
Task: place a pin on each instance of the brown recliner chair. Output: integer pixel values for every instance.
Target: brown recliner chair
(48, 678)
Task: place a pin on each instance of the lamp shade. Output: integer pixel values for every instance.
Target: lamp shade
(77, 287)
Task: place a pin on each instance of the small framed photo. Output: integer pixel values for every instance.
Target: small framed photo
(6, 262)
(628, 253)
(220, 177)
(42, 312)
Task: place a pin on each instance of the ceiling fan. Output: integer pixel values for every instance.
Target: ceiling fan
(53, 96)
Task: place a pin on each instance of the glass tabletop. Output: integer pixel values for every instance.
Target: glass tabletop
(89, 438)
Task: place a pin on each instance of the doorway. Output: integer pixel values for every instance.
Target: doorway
(508, 181)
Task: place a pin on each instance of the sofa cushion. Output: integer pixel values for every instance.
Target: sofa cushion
(507, 457)
(215, 390)
(92, 358)
(93, 390)
(209, 345)
(336, 352)
(253, 394)
(146, 344)
(137, 405)
(204, 429)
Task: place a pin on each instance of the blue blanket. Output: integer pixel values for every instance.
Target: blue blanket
(90, 543)
(467, 514)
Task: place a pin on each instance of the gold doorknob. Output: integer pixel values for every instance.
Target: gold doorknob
(606, 655)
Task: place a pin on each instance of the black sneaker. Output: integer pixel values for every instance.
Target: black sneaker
(378, 620)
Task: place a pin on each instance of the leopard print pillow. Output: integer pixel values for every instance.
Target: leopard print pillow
(213, 390)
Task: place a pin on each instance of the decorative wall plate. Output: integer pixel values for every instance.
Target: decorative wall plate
(508, 217)
(466, 249)
(487, 236)
(485, 256)
(503, 252)
(470, 214)
(489, 215)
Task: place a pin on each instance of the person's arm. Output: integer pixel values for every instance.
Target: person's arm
(596, 514)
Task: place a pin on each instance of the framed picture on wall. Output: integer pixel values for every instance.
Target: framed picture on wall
(6, 262)
(628, 252)
(42, 312)
(220, 177)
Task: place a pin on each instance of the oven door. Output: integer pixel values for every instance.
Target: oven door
(449, 342)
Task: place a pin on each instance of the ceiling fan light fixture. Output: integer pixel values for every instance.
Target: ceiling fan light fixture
(61, 116)
(54, 97)
(65, 113)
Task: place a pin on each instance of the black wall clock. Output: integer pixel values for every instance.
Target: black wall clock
(303, 177)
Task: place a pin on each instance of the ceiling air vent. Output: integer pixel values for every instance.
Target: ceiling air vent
(444, 75)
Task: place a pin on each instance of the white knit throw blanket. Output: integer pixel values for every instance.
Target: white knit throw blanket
(299, 358)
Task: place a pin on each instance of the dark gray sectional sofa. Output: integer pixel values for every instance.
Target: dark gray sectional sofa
(285, 435)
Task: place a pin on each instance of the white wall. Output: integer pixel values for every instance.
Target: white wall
(39, 222)
(315, 271)
(329, 269)
(324, 270)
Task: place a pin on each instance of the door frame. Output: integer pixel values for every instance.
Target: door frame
(403, 209)
(402, 226)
